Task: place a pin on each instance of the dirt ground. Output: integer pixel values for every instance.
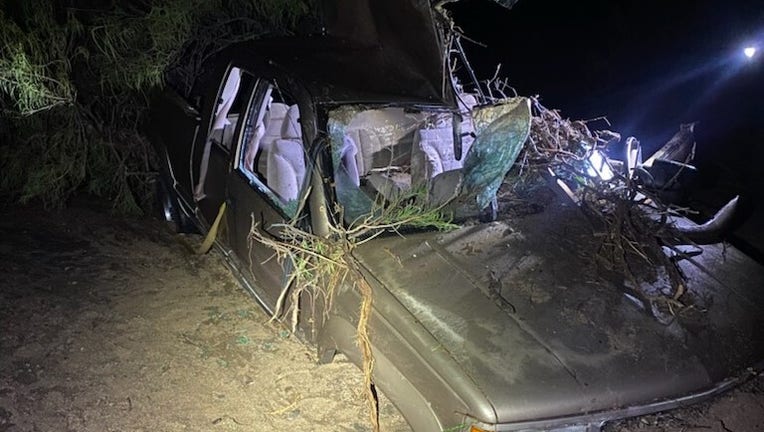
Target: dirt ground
(110, 324)
(113, 325)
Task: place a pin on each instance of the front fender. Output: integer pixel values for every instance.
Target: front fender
(411, 367)
(338, 334)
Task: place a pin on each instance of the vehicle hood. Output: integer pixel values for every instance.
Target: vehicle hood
(522, 308)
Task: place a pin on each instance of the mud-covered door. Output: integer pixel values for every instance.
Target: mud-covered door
(212, 158)
(266, 182)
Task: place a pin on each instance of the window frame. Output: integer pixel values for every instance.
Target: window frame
(264, 87)
(217, 101)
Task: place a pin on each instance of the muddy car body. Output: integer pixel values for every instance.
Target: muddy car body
(498, 325)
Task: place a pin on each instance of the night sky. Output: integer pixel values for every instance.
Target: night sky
(647, 65)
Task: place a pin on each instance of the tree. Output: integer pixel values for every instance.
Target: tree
(74, 79)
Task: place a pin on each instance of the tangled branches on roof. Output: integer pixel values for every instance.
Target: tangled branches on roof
(634, 222)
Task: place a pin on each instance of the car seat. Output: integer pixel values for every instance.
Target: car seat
(286, 158)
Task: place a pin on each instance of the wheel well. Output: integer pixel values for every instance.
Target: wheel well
(339, 335)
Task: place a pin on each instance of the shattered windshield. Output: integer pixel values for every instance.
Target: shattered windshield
(389, 160)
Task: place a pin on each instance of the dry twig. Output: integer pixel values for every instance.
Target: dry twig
(635, 221)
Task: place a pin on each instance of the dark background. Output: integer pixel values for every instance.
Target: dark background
(647, 66)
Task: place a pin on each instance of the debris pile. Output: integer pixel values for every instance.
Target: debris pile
(630, 201)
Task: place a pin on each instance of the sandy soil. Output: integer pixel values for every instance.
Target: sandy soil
(113, 325)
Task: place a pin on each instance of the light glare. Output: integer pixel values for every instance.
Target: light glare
(749, 51)
(598, 166)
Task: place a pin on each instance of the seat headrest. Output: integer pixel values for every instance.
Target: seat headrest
(274, 121)
(467, 101)
(291, 128)
(275, 115)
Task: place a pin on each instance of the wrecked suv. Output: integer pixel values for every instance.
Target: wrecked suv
(497, 324)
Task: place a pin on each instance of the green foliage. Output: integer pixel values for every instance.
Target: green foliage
(137, 47)
(26, 84)
(34, 70)
(63, 153)
(140, 45)
(73, 79)
(410, 210)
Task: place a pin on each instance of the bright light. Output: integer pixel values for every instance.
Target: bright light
(599, 167)
(749, 51)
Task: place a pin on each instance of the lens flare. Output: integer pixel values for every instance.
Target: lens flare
(749, 52)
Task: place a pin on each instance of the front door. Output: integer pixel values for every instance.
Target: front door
(266, 183)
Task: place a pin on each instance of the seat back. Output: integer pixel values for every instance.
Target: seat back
(382, 138)
(286, 168)
(291, 128)
(253, 146)
(370, 147)
(348, 162)
(274, 123)
(433, 150)
(286, 158)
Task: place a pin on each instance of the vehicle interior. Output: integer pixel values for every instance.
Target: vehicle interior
(390, 152)
(270, 153)
(272, 147)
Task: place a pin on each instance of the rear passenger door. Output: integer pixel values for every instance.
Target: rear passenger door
(266, 182)
(214, 147)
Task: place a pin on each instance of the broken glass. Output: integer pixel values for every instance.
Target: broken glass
(382, 154)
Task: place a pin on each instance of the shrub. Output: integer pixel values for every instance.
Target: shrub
(73, 81)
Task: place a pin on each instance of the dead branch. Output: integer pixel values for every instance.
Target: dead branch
(634, 219)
